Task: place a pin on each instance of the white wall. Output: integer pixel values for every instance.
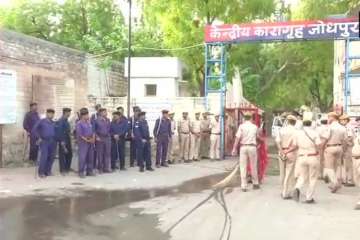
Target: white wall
(166, 87)
(161, 67)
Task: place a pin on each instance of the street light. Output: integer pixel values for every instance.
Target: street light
(129, 61)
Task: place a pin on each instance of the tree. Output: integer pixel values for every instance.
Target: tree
(182, 24)
(94, 26)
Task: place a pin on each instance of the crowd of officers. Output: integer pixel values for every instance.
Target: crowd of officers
(308, 152)
(101, 141)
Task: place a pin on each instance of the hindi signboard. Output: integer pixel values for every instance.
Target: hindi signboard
(283, 31)
(7, 96)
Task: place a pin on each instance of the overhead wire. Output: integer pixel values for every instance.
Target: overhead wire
(103, 55)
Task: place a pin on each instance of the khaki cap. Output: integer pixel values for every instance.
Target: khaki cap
(344, 117)
(291, 117)
(248, 114)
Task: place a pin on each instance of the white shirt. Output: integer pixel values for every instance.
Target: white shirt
(215, 127)
(304, 143)
(195, 126)
(285, 136)
(247, 132)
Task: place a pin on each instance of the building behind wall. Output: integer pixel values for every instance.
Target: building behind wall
(160, 77)
(53, 76)
(339, 77)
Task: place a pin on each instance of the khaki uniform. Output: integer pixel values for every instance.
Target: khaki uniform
(195, 127)
(205, 138)
(356, 162)
(215, 139)
(348, 176)
(172, 143)
(335, 140)
(247, 133)
(322, 131)
(308, 159)
(184, 134)
(287, 168)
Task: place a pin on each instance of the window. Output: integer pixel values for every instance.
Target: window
(150, 90)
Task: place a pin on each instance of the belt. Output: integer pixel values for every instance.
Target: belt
(254, 145)
(184, 132)
(333, 145)
(308, 155)
(356, 157)
(196, 133)
(216, 133)
(285, 148)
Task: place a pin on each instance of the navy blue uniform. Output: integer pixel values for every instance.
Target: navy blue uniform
(45, 130)
(132, 122)
(120, 128)
(63, 138)
(162, 134)
(142, 142)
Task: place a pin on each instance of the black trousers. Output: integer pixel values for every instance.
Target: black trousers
(65, 156)
(118, 152)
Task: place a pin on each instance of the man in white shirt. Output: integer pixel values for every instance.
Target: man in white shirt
(334, 145)
(215, 138)
(307, 143)
(348, 178)
(356, 161)
(287, 162)
(247, 136)
(195, 129)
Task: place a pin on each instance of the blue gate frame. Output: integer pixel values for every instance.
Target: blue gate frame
(211, 64)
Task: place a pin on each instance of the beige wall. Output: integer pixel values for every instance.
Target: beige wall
(65, 83)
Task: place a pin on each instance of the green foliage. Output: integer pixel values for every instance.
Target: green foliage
(182, 24)
(274, 75)
(94, 26)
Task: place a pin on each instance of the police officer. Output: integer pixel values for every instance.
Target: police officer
(45, 131)
(86, 144)
(334, 145)
(121, 110)
(103, 142)
(356, 161)
(247, 136)
(215, 138)
(287, 161)
(348, 178)
(205, 135)
(95, 115)
(195, 129)
(118, 129)
(30, 119)
(322, 130)
(307, 142)
(63, 137)
(184, 136)
(142, 142)
(93, 118)
(132, 121)
(162, 134)
(172, 141)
